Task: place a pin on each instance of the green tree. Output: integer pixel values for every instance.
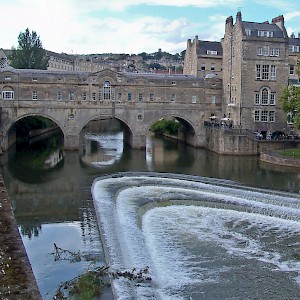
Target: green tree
(30, 53)
(290, 103)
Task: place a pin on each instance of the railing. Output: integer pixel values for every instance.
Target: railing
(230, 130)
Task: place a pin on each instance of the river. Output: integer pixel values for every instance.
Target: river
(51, 195)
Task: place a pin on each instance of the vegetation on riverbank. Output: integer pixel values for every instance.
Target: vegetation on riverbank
(291, 153)
(164, 126)
(91, 283)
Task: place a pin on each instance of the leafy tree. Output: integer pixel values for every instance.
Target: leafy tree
(290, 103)
(30, 53)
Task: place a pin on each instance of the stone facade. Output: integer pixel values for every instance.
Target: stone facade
(257, 61)
(72, 99)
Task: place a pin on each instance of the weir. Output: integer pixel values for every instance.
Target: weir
(196, 234)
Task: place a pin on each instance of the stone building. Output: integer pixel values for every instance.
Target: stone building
(257, 61)
(203, 58)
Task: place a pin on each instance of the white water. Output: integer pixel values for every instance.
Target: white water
(201, 238)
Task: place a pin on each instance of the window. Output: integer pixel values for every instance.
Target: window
(7, 78)
(83, 96)
(173, 97)
(274, 52)
(7, 95)
(213, 67)
(34, 95)
(213, 99)
(264, 116)
(94, 96)
(259, 51)
(257, 99)
(293, 48)
(140, 97)
(129, 96)
(265, 51)
(264, 96)
(152, 97)
(212, 52)
(194, 99)
(248, 31)
(264, 33)
(265, 72)
(256, 116)
(273, 72)
(292, 70)
(272, 98)
(258, 68)
(106, 90)
(71, 96)
(272, 116)
(202, 67)
(173, 83)
(58, 96)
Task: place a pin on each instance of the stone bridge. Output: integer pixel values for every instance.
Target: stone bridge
(72, 99)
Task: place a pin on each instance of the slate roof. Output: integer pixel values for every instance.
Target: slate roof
(254, 27)
(203, 46)
(294, 41)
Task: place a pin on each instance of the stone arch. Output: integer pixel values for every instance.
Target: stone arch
(9, 134)
(128, 132)
(187, 133)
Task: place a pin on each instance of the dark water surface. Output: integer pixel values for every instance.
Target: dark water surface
(51, 190)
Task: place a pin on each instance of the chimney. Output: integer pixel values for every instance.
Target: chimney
(279, 21)
(229, 20)
(292, 35)
(266, 22)
(298, 35)
(239, 16)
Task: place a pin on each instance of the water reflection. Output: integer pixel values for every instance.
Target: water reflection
(51, 190)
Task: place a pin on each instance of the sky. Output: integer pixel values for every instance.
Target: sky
(132, 26)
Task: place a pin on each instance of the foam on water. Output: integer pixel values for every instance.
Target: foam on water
(196, 233)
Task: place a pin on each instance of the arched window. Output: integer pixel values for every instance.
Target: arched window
(264, 96)
(7, 93)
(106, 89)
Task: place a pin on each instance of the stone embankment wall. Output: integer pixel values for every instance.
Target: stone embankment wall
(280, 160)
(16, 277)
(232, 142)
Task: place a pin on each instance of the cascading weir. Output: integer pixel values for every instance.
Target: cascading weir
(201, 238)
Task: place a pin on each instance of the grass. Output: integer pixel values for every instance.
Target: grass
(292, 153)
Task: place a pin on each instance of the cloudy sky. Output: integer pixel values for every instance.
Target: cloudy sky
(132, 26)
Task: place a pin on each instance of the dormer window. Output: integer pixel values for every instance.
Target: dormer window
(212, 52)
(265, 33)
(248, 31)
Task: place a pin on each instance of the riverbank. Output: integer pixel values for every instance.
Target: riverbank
(277, 159)
(16, 277)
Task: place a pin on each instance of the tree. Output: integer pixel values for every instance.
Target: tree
(30, 53)
(290, 103)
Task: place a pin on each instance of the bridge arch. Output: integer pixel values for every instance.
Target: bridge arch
(9, 133)
(186, 133)
(127, 129)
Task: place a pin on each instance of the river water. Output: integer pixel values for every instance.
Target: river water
(207, 226)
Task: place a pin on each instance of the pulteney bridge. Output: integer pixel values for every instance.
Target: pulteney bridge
(72, 99)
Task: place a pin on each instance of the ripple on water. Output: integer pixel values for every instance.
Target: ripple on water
(201, 239)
